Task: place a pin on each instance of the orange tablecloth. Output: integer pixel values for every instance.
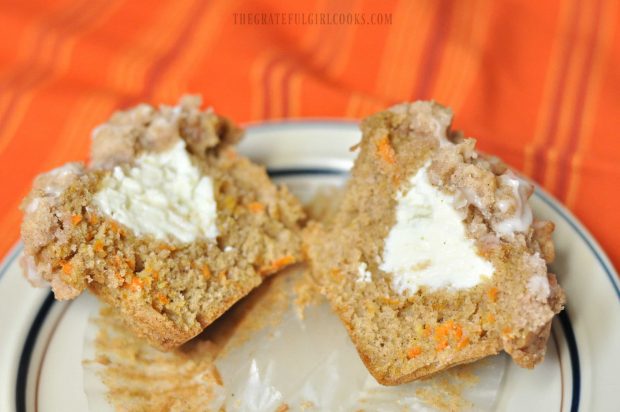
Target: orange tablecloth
(537, 82)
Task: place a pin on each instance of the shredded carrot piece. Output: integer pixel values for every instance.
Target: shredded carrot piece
(206, 272)
(136, 284)
(155, 275)
(427, 331)
(335, 273)
(67, 268)
(462, 343)
(385, 150)
(277, 265)
(163, 299)
(413, 352)
(284, 261)
(458, 331)
(490, 318)
(492, 294)
(75, 219)
(114, 227)
(164, 246)
(283, 408)
(441, 345)
(441, 333)
(93, 219)
(98, 245)
(256, 207)
(506, 330)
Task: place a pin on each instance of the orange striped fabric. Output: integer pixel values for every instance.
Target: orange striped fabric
(536, 82)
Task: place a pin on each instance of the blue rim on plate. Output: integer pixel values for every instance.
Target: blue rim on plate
(39, 320)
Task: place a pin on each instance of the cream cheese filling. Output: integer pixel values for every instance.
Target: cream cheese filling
(428, 246)
(163, 194)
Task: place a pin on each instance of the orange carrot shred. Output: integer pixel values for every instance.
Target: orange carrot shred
(462, 343)
(427, 331)
(283, 261)
(441, 345)
(492, 293)
(206, 272)
(131, 262)
(98, 245)
(458, 331)
(385, 150)
(163, 299)
(413, 352)
(490, 318)
(278, 264)
(114, 227)
(441, 333)
(67, 268)
(256, 207)
(75, 219)
(136, 284)
(335, 273)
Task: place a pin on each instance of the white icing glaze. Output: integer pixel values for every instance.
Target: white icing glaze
(522, 218)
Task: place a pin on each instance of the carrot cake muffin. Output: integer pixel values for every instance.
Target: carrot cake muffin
(168, 224)
(433, 258)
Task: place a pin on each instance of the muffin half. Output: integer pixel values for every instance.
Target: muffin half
(434, 258)
(168, 223)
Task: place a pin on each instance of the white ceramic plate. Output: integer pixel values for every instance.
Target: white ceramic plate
(41, 344)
